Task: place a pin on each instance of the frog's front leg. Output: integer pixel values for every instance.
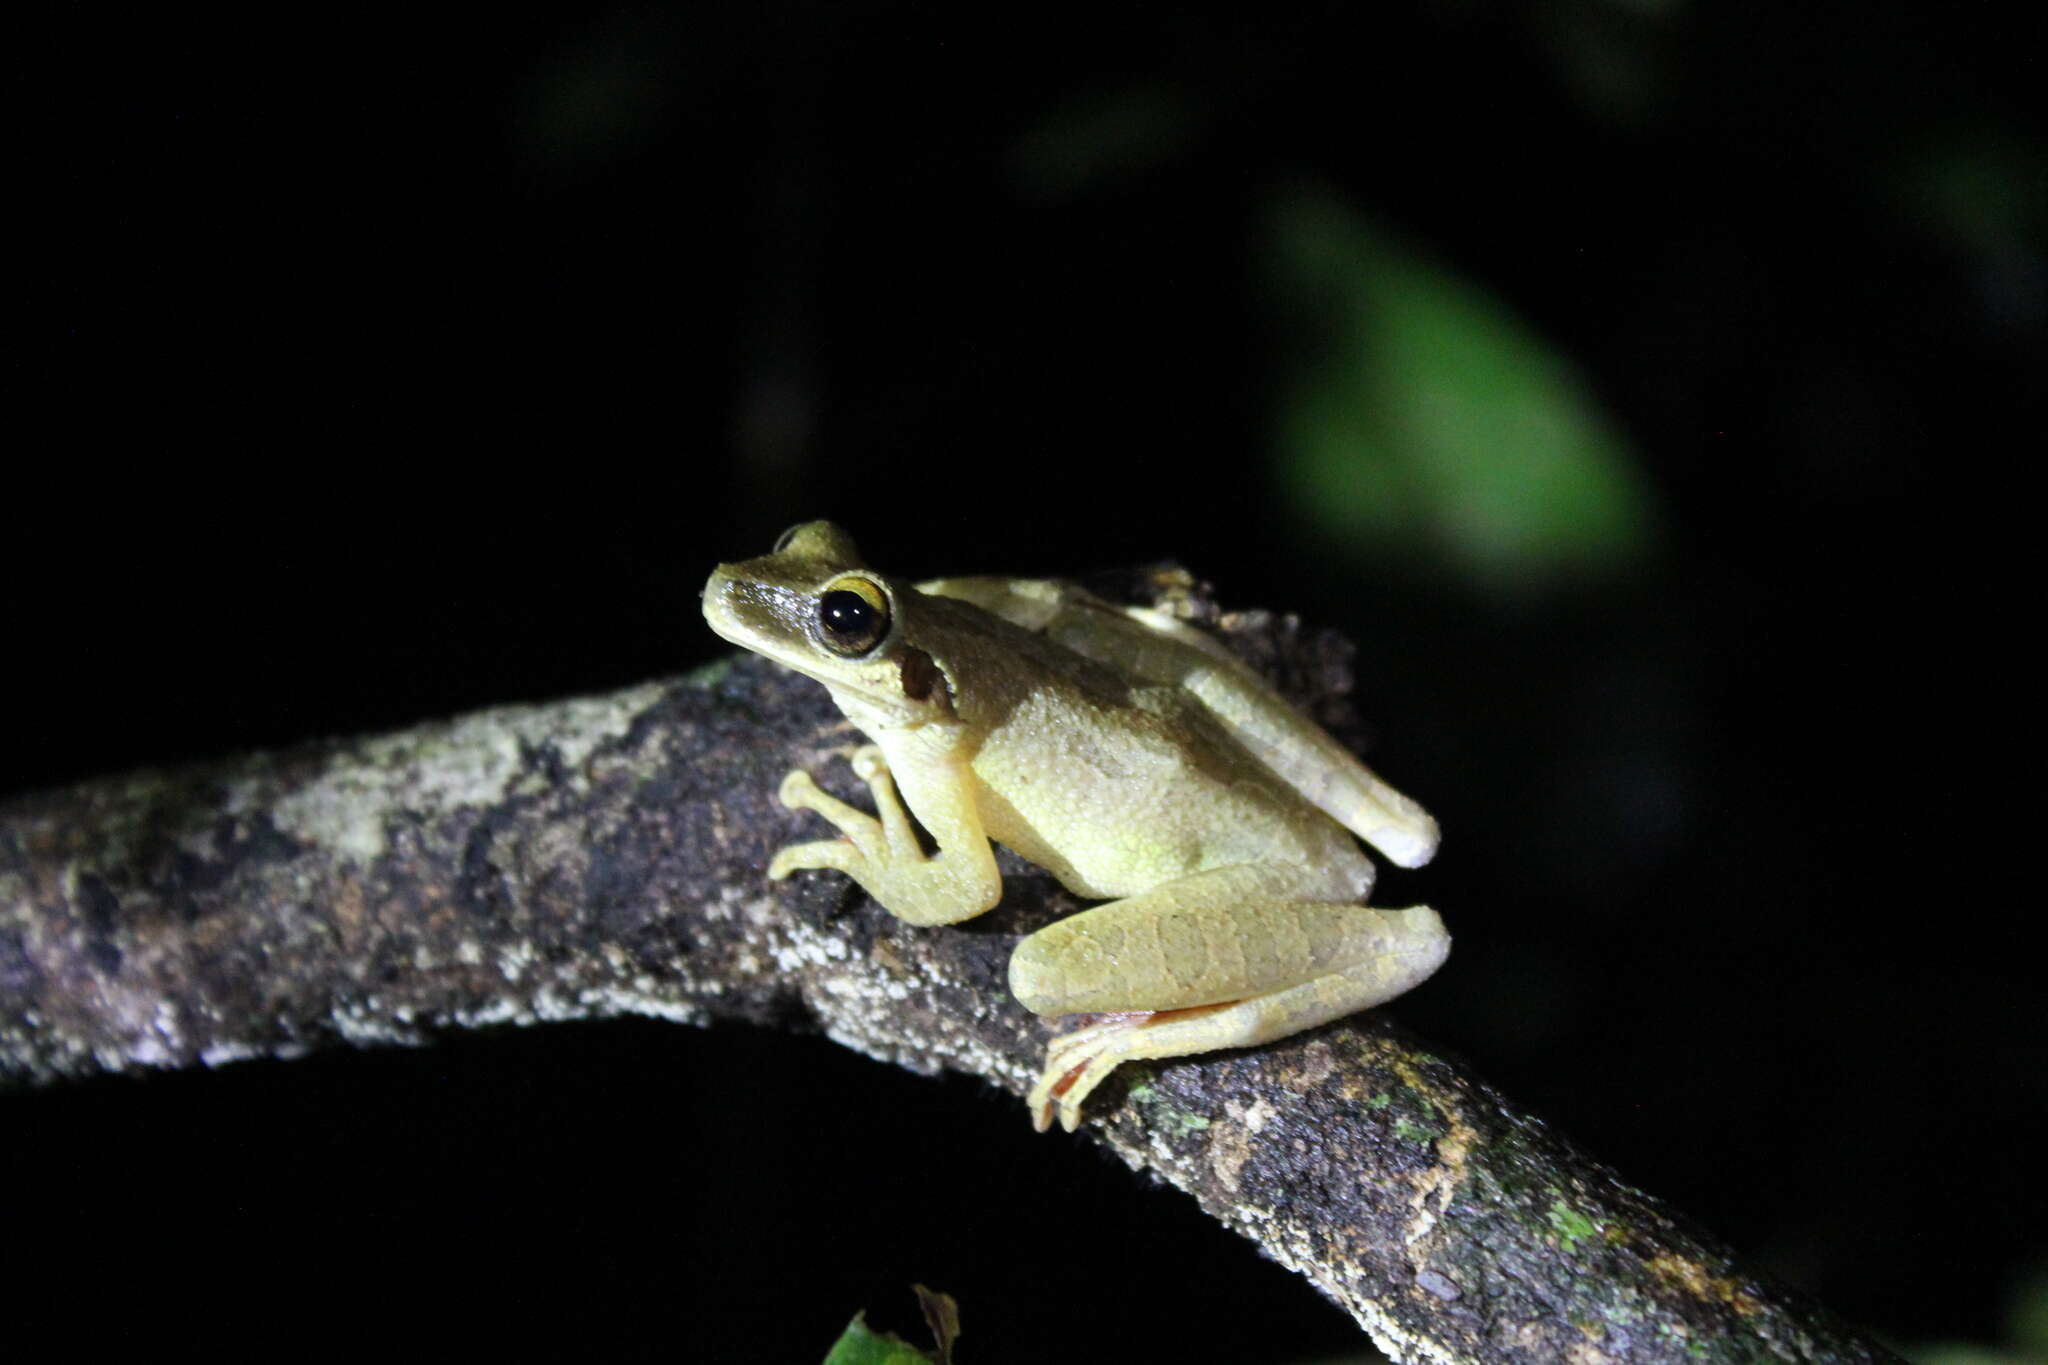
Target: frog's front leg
(1231, 957)
(881, 851)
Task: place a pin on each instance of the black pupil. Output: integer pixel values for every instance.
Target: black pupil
(847, 614)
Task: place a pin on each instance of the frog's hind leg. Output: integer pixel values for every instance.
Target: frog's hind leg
(1228, 958)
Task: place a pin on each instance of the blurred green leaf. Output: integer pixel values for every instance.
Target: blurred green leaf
(1982, 189)
(2026, 1331)
(2027, 1319)
(860, 1344)
(1962, 1353)
(1420, 417)
(602, 95)
(1105, 137)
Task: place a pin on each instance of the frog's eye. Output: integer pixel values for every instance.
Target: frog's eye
(853, 616)
(782, 541)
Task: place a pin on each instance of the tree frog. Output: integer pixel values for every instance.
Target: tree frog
(1127, 753)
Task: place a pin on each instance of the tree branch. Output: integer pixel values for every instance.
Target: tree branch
(604, 856)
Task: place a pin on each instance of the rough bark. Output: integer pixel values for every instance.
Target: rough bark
(604, 856)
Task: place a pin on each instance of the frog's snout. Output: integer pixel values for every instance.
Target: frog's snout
(717, 601)
(723, 589)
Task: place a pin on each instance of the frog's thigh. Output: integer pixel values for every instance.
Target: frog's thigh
(1230, 934)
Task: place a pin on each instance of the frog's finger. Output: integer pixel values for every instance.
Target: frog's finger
(800, 791)
(864, 842)
(831, 855)
(872, 768)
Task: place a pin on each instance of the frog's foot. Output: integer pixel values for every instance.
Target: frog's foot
(867, 842)
(882, 852)
(1077, 1062)
(862, 833)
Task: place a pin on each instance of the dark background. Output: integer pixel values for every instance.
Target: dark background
(1646, 387)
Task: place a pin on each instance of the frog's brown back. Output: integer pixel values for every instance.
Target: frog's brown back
(1155, 648)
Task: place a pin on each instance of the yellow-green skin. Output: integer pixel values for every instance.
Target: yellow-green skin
(1130, 756)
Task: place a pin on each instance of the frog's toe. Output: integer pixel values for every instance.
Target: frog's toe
(1069, 1050)
(1077, 1062)
(797, 789)
(1049, 1097)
